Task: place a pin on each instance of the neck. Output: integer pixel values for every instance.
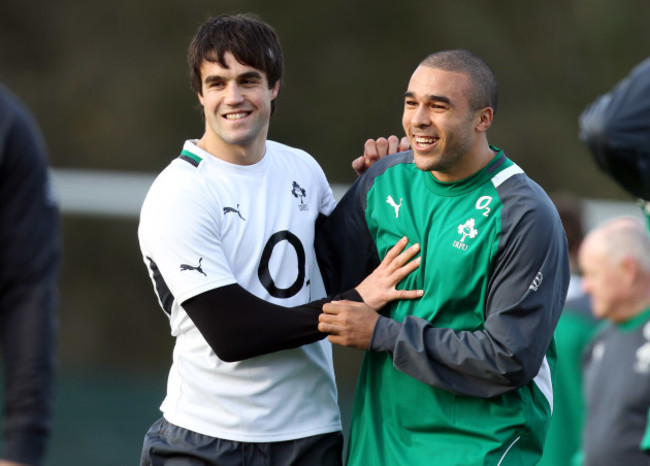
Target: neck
(477, 158)
(638, 302)
(642, 301)
(244, 154)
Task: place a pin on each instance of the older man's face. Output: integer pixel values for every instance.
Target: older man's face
(603, 280)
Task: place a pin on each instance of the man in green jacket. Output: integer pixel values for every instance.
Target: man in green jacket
(461, 376)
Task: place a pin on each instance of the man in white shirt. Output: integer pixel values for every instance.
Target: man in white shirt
(227, 233)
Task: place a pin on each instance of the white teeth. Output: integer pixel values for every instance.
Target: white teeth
(423, 140)
(235, 116)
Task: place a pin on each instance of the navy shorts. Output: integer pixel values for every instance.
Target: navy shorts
(168, 445)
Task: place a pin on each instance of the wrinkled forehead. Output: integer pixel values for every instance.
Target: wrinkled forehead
(429, 84)
(428, 81)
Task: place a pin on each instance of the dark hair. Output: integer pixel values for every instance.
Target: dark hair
(249, 39)
(484, 91)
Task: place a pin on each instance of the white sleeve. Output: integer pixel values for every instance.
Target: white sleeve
(327, 197)
(180, 233)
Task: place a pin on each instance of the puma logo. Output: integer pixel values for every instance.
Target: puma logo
(198, 268)
(229, 210)
(396, 206)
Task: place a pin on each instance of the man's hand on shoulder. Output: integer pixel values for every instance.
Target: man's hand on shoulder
(374, 149)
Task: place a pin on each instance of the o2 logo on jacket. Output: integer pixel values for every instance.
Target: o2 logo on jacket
(483, 203)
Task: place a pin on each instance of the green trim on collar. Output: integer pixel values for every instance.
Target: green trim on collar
(469, 184)
(635, 322)
(194, 157)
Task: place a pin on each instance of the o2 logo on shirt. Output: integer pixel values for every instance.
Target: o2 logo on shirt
(263, 270)
(483, 203)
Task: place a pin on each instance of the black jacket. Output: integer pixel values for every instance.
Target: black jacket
(29, 263)
(616, 129)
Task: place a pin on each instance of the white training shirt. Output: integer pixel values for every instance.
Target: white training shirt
(205, 223)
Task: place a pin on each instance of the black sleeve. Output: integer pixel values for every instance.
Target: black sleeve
(345, 250)
(238, 325)
(616, 129)
(29, 263)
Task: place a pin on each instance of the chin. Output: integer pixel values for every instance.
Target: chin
(599, 313)
(423, 162)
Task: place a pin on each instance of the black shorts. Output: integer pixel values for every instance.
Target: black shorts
(168, 445)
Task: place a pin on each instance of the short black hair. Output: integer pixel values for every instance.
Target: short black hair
(484, 91)
(249, 39)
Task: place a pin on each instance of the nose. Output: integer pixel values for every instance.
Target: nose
(234, 95)
(420, 117)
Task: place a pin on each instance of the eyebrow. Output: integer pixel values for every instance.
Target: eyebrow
(246, 75)
(431, 98)
(250, 74)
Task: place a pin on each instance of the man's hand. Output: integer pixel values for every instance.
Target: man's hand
(378, 288)
(374, 149)
(349, 323)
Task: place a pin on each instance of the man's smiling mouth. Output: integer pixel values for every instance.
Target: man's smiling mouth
(236, 116)
(423, 141)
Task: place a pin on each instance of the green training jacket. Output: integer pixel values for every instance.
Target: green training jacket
(462, 376)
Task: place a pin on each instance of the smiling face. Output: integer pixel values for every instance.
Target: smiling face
(236, 104)
(447, 136)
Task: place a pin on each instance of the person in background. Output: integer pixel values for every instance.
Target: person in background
(462, 375)
(227, 234)
(616, 129)
(30, 255)
(574, 330)
(615, 261)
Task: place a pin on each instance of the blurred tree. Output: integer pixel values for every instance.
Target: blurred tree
(108, 82)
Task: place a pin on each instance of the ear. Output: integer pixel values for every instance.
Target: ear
(484, 117)
(275, 90)
(629, 269)
(200, 96)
